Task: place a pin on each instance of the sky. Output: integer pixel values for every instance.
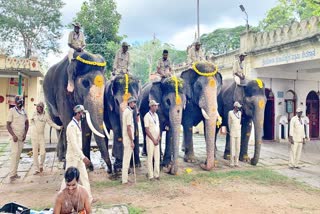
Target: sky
(171, 21)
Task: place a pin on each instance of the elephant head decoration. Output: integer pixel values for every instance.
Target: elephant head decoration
(88, 70)
(253, 100)
(169, 94)
(202, 84)
(117, 92)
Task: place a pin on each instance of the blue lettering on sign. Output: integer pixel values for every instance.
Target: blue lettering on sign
(289, 57)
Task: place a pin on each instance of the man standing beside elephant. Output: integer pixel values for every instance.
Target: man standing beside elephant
(38, 122)
(128, 137)
(76, 43)
(152, 125)
(17, 125)
(74, 155)
(122, 60)
(234, 121)
(297, 138)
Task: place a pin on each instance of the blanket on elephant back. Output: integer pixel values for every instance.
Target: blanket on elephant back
(204, 68)
(86, 62)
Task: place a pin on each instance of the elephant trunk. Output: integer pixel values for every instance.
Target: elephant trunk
(258, 120)
(175, 116)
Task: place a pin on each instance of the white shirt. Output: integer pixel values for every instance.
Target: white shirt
(74, 140)
(38, 123)
(234, 121)
(297, 129)
(151, 121)
(127, 119)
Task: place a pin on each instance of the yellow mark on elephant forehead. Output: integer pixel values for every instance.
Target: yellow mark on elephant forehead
(98, 81)
(101, 126)
(100, 111)
(212, 82)
(259, 82)
(261, 104)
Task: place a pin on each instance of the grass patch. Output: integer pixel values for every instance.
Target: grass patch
(135, 210)
(103, 184)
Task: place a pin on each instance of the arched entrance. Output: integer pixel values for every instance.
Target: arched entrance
(312, 112)
(290, 101)
(268, 126)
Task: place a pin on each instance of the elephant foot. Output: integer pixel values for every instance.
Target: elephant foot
(167, 168)
(206, 167)
(174, 170)
(109, 171)
(254, 161)
(245, 158)
(189, 158)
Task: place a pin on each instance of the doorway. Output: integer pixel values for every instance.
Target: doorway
(268, 125)
(312, 112)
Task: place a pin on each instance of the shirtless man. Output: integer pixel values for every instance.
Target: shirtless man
(74, 199)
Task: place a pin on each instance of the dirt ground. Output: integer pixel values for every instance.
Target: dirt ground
(226, 191)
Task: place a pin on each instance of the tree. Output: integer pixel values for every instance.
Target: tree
(145, 56)
(222, 40)
(288, 11)
(35, 24)
(100, 22)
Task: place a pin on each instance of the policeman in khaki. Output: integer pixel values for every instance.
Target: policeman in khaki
(297, 138)
(234, 121)
(38, 122)
(74, 155)
(151, 122)
(195, 54)
(121, 62)
(128, 137)
(164, 65)
(17, 126)
(77, 43)
(238, 69)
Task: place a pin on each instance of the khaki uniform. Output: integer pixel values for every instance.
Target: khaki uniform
(151, 121)
(121, 62)
(164, 67)
(238, 68)
(298, 134)
(76, 40)
(18, 120)
(195, 56)
(75, 156)
(38, 123)
(127, 119)
(234, 121)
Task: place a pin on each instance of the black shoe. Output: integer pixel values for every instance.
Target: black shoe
(297, 167)
(291, 167)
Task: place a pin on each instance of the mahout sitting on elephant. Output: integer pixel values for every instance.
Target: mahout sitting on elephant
(89, 70)
(253, 102)
(169, 94)
(202, 83)
(117, 92)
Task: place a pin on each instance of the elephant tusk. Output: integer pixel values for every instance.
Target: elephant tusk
(106, 131)
(88, 118)
(204, 114)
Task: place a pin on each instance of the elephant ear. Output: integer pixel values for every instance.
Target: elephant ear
(109, 95)
(219, 78)
(189, 77)
(156, 92)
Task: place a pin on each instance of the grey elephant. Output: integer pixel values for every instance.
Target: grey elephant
(169, 94)
(253, 100)
(202, 84)
(117, 92)
(89, 81)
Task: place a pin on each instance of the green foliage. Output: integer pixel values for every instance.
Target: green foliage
(100, 22)
(135, 210)
(145, 56)
(222, 40)
(288, 11)
(32, 24)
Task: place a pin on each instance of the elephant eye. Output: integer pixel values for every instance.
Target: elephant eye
(168, 102)
(86, 83)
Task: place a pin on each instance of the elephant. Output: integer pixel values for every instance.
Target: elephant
(169, 94)
(89, 80)
(202, 83)
(253, 101)
(117, 92)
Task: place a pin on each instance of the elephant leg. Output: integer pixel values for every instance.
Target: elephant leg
(117, 150)
(86, 143)
(226, 154)
(168, 150)
(136, 149)
(62, 146)
(188, 142)
(144, 148)
(245, 136)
